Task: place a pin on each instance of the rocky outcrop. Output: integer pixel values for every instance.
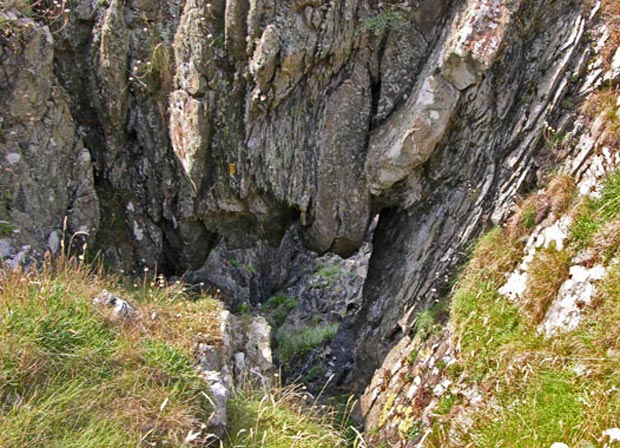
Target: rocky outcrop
(233, 120)
(484, 157)
(265, 112)
(243, 358)
(401, 403)
(47, 192)
(238, 355)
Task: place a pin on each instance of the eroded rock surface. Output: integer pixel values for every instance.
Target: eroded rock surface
(400, 404)
(47, 190)
(230, 121)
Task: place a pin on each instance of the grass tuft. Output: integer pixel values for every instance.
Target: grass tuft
(547, 271)
(429, 321)
(604, 104)
(278, 308)
(287, 417)
(73, 376)
(556, 199)
(299, 341)
(596, 220)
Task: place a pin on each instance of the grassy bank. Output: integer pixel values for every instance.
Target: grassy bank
(71, 374)
(74, 375)
(538, 390)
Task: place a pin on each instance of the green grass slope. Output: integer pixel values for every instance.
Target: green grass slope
(74, 375)
(538, 390)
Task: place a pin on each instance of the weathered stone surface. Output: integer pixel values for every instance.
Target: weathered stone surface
(478, 163)
(46, 183)
(235, 27)
(252, 131)
(120, 308)
(113, 78)
(189, 135)
(475, 39)
(340, 220)
(235, 119)
(243, 356)
(409, 138)
(575, 294)
(262, 66)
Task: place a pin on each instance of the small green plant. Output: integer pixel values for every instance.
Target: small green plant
(242, 309)
(528, 218)
(585, 224)
(217, 41)
(425, 325)
(412, 356)
(153, 75)
(445, 404)
(314, 374)
(610, 197)
(328, 272)
(555, 139)
(5, 30)
(454, 370)
(414, 431)
(428, 320)
(249, 268)
(384, 21)
(278, 308)
(595, 218)
(6, 228)
(6, 198)
(293, 343)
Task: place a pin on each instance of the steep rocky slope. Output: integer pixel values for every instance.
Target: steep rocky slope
(231, 122)
(527, 331)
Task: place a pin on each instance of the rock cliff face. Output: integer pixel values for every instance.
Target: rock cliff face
(236, 119)
(46, 171)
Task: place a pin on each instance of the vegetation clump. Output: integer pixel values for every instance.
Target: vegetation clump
(71, 374)
(547, 271)
(384, 21)
(288, 417)
(54, 13)
(297, 342)
(278, 308)
(596, 220)
(536, 390)
(429, 320)
(74, 374)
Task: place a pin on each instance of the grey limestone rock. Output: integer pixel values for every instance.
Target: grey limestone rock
(47, 188)
(227, 122)
(120, 308)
